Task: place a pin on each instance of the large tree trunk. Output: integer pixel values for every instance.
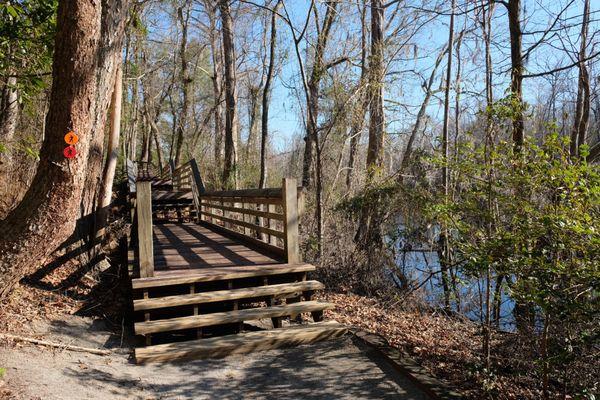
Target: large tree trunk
(582, 107)
(369, 230)
(266, 97)
(517, 69)
(230, 165)
(89, 36)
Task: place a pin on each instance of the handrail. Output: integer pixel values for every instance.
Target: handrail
(265, 217)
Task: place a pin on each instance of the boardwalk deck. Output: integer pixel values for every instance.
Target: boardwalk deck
(189, 246)
(206, 263)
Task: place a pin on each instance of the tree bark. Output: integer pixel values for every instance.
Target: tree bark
(9, 115)
(230, 165)
(582, 107)
(516, 70)
(183, 17)
(217, 85)
(369, 230)
(89, 36)
(110, 166)
(266, 99)
(358, 118)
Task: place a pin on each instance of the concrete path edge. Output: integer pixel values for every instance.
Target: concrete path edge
(433, 387)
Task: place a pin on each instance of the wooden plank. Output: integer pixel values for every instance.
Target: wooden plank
(228, 317)
(267, 192)
(249, 199)
(226, 295)
(277, 251)
(290, 211)
(256, 213)
(144, 228)
(241, 343)
(240, 223)
(219, 274)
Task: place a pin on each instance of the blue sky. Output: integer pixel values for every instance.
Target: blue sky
(537, 15)
(405, 88)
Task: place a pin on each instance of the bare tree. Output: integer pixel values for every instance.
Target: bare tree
(318, 70)
(266, 98)
(582, 105)
(516, 69)
(369, 230)
(183, 17)
(230, 165)
(358, 116)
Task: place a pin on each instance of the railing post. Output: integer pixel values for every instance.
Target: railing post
(144, 228)
(290, 220)
(197, 188)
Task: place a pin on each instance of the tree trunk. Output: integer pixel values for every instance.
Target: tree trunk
(445, 258)
(217, 85)
(88, 39)
(516, 71)
(358, 117)
(110, 167)
(183, 17)
(266, 98)
(253, 118)
(369, 231)
(318, 69)
(9, 116)
(582, 108)
(230, 165)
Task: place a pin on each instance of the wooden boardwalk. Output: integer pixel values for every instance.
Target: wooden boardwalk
(216, 273)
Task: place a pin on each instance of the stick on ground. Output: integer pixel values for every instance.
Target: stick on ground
(100, 352)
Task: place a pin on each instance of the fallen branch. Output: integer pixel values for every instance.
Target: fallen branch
(57, 345)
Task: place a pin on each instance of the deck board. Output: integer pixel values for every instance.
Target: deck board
(189, 246)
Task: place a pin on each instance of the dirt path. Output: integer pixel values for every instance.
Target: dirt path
(338, 369)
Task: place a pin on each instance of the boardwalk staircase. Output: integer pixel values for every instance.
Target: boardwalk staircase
(218, 273)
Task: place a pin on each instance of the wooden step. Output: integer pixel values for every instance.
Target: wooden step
(241, 343)
(229, 317)
(225, 295)
(219, 274)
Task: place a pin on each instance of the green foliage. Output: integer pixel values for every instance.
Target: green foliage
(533, 216)
(2, 373)
(27, 30)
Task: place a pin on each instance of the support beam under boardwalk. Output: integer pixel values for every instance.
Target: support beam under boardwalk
(241, 343)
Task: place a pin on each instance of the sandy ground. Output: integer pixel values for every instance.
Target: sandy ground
(336, 369)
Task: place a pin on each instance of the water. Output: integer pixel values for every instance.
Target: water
(422, 268)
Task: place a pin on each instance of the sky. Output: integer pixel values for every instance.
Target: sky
(403, 92)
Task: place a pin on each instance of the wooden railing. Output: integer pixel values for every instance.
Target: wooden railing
(265, 217)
